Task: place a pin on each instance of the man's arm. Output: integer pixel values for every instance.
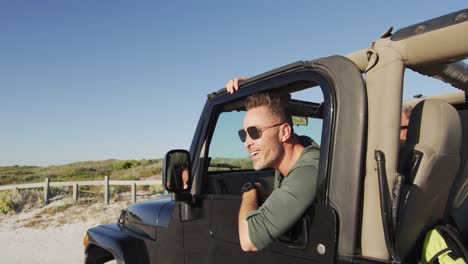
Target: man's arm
(283, 208)
(185, 178)
(249, 203)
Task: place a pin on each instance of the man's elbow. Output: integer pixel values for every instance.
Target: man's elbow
(248, 246)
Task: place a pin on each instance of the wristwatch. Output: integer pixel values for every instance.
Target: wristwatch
(247, 187)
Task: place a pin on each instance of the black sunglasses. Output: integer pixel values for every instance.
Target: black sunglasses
(254, 132)
(404, 127)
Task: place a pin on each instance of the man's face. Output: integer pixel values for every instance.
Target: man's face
(265, 151)
(404, 127)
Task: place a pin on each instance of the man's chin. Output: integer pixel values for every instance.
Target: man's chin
(259, 166)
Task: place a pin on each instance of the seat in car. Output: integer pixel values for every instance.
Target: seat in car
(458, 204)
(429, 160)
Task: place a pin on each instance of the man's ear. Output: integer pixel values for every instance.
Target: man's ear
(285, 132)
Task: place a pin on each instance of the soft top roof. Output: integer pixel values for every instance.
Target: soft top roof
(436, 48)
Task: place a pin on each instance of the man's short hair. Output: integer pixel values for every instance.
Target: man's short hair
(278, 103)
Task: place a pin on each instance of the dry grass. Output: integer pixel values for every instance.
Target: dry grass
(25, 208)
(63, 210)
(13, 202)
(88, 170)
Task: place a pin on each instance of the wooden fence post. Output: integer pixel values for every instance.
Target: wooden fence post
(46, 191)
(106, 190)
(75, 192)
(133, 192)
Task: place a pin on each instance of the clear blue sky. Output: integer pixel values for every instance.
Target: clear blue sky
(95, 80)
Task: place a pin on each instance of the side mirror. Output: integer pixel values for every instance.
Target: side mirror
(176, 171)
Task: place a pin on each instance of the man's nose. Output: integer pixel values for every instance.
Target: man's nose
(248, 141)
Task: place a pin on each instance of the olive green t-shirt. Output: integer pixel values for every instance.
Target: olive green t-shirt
(291, 196)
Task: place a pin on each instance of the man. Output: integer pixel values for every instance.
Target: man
(405, 115)
(268, 136)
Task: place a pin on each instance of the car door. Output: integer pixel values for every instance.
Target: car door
(222, 166)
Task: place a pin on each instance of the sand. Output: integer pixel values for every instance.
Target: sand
(37, 237)
(51, 245)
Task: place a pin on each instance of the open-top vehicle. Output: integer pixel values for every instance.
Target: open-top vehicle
(364, 212)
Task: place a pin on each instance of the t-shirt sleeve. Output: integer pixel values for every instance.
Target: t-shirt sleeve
(284, 206)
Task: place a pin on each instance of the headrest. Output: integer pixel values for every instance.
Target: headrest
(435, 124)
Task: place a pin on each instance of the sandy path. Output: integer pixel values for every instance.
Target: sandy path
(51, 245)
(51, 238)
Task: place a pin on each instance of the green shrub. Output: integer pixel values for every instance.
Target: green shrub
(129, 178)
(15, 201)
(5, 204)
(156, 189)
(125, 164)
(59, 191)
(89, 170)
(119, 188)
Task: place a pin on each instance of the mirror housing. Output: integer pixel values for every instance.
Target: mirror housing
(176, 171)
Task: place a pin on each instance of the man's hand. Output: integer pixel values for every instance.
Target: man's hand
(233, 84)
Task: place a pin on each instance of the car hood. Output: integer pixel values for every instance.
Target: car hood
(156, 212)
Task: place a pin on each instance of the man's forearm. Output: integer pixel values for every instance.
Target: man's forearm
(249, 203)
